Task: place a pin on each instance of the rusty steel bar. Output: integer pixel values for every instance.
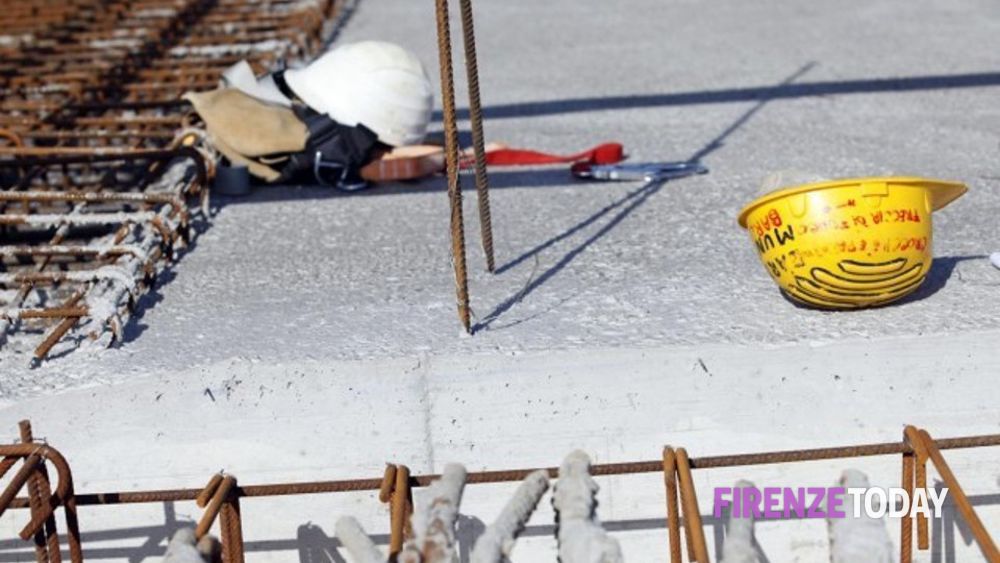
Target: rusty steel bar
(63, 495)
(25, 289)
(219, 497)
(231, 526)
(55, 313)
(933, 452)
(60, 250)
(673, 514)
(451, 149)
(478, 142)
(83, 151)
(388, 483)
(906, 522)
(40, 494)
(79, 276)
(170, 223)
(60, 329)
(58, 332)
(920, 481)
(506, 476)
(5, 465)
(102, 156)
(400, 509)
(15, 138)
(95, 197)
(35, 498)
(695, 533)
(17, 482)
(206, 494)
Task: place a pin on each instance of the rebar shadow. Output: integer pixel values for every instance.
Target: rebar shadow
(736, 95)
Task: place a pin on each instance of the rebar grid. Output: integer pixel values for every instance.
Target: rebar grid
(220, 497)
(126, 61)
(99, 170)
(83, 235)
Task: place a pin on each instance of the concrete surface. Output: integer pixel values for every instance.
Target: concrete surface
(879, 87)
(612, 290)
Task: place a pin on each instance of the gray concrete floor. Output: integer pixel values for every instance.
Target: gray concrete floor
(623, 317)
(839, 88)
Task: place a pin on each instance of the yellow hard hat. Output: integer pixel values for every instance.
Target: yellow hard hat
(846, 244)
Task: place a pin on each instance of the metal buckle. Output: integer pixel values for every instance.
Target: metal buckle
(341, 183)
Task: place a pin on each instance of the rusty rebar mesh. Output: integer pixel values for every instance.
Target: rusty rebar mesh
(83, 236)
(221, 497)
(100, 172)
(104, 73)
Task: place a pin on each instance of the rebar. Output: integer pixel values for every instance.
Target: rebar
(920, 482)
(932, 451)
(95, 80)
(145, 223)
(40, 494)
(674, 464)
(33, 454)
(478, 141)
(400, 509)
(451, 149)
(697, 549)
(906, 522)
(673, 513)
(231, 524)
(219, 496)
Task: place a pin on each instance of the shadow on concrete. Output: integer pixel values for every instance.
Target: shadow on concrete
(736, 95)
(717, 142)
(148, 301)
(500, 179)
(626, 205)
(631, 202)
(941, 272)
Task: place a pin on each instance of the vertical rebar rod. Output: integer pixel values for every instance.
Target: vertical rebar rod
(231, 526)
(920, 480)
(38, 496)
(214, 506)
(906, 522)
(698, 550)
(673, 519)
(478, 141)
(979, 532)
(399, 510)
(72, 524)
(451, 164)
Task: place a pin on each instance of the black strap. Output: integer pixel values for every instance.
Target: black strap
(331, 146)
(282, 84)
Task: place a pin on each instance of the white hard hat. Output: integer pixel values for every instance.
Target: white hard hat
(377, 84)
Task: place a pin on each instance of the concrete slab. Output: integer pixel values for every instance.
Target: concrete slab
(878, 87)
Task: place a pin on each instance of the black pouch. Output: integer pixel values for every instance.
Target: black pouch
(334, 153)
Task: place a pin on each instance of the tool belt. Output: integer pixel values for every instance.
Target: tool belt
(282, 144)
